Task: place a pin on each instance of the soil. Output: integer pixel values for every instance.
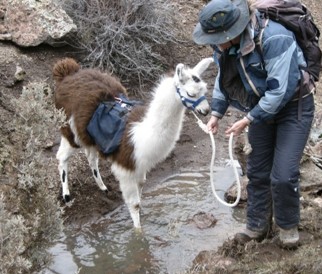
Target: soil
(193, 150)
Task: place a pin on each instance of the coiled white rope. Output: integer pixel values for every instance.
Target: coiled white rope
(205, 129)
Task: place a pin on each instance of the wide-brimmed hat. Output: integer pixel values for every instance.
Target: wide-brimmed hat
(221, 21)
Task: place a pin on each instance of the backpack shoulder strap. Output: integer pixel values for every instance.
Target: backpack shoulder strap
(262, 23)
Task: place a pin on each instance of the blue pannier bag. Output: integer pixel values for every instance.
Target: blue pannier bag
(107, 124)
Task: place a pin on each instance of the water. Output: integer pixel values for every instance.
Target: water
(170, 239)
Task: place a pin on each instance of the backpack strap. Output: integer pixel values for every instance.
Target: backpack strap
(262, 23)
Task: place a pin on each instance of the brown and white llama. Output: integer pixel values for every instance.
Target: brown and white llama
(151, 131)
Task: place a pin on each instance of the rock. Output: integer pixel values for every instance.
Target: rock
(318, 201)
(231, 194)
(311, 176)
(5, 37)
(204, 220)
(207, 260)
(317, 149)
(20, 74)
(31, 23)
(241, 150)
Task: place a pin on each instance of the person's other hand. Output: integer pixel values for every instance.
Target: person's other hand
(238, 127)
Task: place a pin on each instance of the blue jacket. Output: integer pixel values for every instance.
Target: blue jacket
(270, 75)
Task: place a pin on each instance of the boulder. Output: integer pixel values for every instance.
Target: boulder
(29, 23)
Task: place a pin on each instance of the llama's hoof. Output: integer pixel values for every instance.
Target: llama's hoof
(106, 191)
(67, 198)
(138, 230)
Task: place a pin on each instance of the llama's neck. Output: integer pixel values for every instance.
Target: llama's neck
(156, 135)
(166, 107)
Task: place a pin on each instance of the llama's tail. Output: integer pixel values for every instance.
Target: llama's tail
(64, 67)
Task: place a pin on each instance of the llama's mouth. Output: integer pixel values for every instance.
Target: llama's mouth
(203, 112)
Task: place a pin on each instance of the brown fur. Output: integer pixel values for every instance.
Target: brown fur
(67, 66)
(79, 92)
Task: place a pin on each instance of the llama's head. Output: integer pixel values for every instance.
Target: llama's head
(191, 88)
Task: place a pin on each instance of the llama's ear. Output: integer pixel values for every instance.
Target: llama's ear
(180, 73)
(179, 70)
(202, 65)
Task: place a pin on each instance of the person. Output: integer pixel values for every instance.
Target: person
(259, 73)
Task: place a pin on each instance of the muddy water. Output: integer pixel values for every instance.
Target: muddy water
(170, 239)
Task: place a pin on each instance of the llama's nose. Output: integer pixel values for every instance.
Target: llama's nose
(203, 112)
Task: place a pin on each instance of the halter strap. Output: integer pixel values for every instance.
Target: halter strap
(194, 103)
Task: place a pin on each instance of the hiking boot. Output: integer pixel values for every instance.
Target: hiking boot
(248, 235)
(289, 238)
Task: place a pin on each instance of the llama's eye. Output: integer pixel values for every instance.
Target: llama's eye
(195, 78)
(191, 95)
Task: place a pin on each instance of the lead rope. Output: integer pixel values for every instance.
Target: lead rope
(204, 128)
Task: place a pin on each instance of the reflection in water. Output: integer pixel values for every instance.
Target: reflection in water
(170, 240)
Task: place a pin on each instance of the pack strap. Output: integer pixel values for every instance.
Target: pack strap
(126, 103)
(299, 112)
(262, 23)
(304, 90)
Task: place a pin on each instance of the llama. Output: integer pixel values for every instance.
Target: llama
(151, 131)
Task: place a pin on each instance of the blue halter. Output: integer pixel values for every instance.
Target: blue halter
(194, 103)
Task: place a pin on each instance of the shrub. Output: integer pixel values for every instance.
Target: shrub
(131, 38)
(12, 234)
(30, 215)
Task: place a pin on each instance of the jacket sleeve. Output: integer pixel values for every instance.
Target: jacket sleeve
(219, 104)
(281, 57)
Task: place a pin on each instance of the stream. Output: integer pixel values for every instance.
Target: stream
(170, 238)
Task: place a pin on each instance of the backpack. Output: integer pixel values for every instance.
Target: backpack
(108, 122)
(295, 16)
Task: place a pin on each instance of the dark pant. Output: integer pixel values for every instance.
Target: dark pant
(273, 167)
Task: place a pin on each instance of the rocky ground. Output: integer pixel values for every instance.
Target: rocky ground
(193, 150)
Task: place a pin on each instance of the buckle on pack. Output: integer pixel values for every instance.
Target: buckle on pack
(123, 104)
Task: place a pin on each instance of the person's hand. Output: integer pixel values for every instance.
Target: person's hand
(212, 124)
(238, 127)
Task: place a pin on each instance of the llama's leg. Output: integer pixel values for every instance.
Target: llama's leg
(141, 184)
(64, 152)
(131, 195)
(129, 185)
(92, 157)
